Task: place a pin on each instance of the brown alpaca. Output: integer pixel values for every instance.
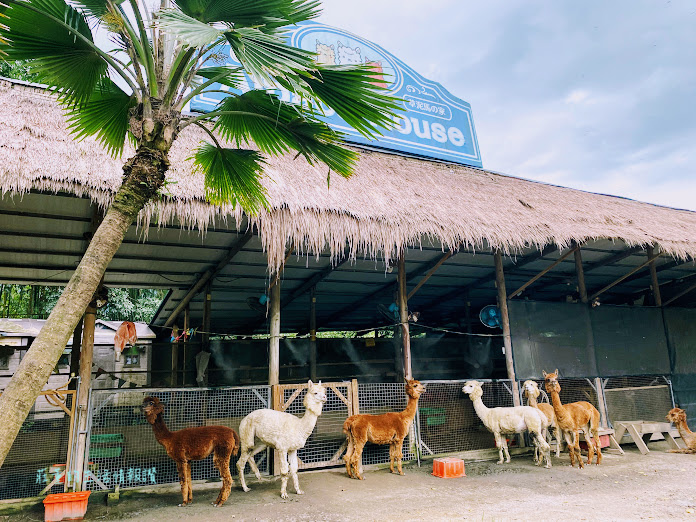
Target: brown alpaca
(573, 417)
(388, 428)
(678, 417)
(190, 444)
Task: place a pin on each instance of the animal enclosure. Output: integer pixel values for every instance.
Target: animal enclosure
(123, 450)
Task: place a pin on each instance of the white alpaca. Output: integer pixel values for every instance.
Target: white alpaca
(531, 391)
(501, 421)
(281, 431)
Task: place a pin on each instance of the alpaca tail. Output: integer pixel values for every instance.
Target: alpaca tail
(348, 424)
(237, 443)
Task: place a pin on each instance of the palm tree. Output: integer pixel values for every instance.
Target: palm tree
(163, 56)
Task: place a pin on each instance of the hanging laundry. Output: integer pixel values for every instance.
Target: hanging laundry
(125, 334)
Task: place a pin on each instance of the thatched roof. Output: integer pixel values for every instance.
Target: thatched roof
(391, 201)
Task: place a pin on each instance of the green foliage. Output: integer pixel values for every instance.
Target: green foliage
(19, 70)
(36, 302)
(105, 114)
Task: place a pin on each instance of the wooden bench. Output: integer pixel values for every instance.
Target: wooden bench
(642, 431)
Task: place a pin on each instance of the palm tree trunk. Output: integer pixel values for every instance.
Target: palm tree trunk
(144, 174)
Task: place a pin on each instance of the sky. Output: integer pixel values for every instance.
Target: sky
(594, 95)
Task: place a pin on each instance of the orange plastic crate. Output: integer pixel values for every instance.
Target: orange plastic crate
(448, 467)
(66, 506)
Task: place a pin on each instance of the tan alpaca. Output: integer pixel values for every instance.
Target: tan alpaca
(678, 417)
(532, 392)
(388, 428)
(573, 417)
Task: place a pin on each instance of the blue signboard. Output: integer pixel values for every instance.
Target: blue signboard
(434, 123)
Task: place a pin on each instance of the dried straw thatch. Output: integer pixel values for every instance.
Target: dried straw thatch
(392, 201)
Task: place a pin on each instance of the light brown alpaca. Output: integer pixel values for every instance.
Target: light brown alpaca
(532, 392)
(388, 428)
(190, 444)
(573, 417)
(678, 417)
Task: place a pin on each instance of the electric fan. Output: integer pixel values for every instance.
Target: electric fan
(490, 316)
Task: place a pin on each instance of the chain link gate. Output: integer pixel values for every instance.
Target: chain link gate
(123, 451)
(447, 422)
(326, 444)
(41, 459)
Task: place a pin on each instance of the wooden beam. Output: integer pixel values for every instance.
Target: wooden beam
(311, 283)
(653, 278)
(429, 273)
(544, 271)
(86, 358)
(580, 274)
(274, 340)
(312, 333)
(208, 275)
(403, 315)
(620, 279)
(680, 294)
(505, 319)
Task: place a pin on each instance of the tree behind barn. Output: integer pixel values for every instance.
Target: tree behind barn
(162, 59)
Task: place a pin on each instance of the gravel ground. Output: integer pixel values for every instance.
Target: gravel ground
(659, 486)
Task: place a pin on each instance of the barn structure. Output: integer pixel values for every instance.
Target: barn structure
(601, 287)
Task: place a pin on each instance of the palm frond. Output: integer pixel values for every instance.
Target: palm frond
(266, 15)
(232, 176)
(225, 75)
(96, 8)
(350, 91)
(276, 127)
(188, 29)
(105, 114)
(268, 60)
(55, 37)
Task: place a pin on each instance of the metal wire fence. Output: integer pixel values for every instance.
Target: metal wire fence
(37, 461)
(376, 398)
(641, 397)
(448, 422)
(323, 446)
(123, 449)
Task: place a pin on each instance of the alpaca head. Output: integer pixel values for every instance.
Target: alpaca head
(414, 388)
(676, 415)
(531, 389)
(473, 389)
(315, 397)
(152, 407)
(551, 381)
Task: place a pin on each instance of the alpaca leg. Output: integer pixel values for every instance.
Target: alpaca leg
(357, 459)
(252, 462)
(505, 449)
(576, 447)
(284, 468)
(241, 464)
(182, 481)
(294, 464)
(348, 457)
(569, 443)
(222, 462)
(543, 448)
(590, 441)
(392, 456)
(499, 441)
(598, 445)
(559, 441)
(399, 455)
(188, 482)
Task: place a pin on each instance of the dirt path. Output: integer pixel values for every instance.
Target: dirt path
(658, 486)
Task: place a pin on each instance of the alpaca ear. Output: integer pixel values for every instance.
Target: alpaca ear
(543, 372)
(319, 383)
(556, 372)
(310, 383)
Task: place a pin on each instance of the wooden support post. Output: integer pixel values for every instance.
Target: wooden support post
(604, 418)
(207, 304)
(403, 315)
(582, 289)
(86, 357)
(653, 278)
(184, 344)
(313, 333)
(507, 340)
(75, 354)
(175, 357)
(274, 340)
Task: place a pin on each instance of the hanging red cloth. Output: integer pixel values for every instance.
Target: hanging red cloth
(125, 334)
